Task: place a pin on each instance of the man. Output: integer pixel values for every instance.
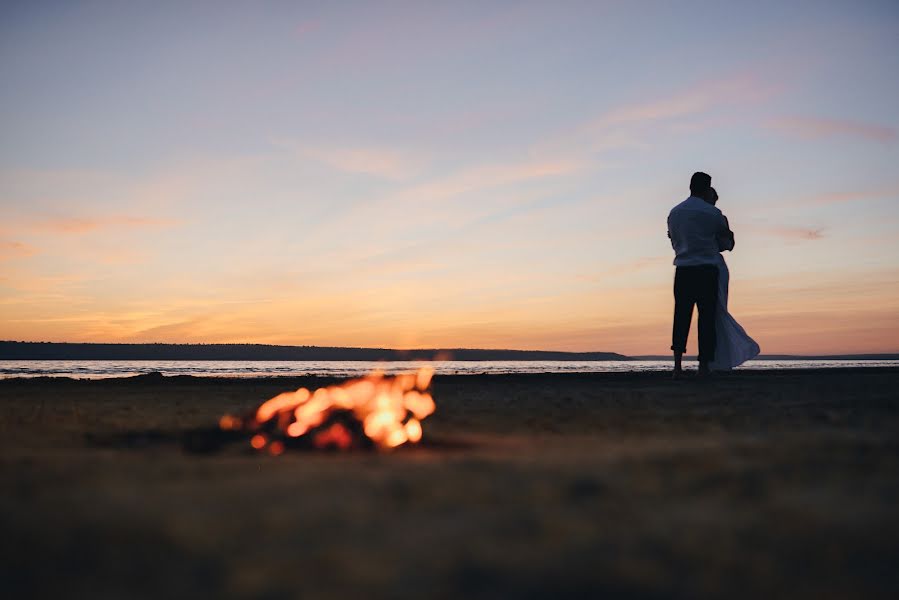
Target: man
(698, 232)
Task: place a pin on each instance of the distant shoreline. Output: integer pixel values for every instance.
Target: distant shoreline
(12, 350)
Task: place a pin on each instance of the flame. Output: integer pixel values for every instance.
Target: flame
(383, 411)
(336, 436)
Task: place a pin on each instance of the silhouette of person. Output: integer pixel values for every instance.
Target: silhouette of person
(697, 230)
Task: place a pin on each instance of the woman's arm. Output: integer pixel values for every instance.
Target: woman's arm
(725, 237)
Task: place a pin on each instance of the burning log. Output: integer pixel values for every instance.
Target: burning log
(375, 412)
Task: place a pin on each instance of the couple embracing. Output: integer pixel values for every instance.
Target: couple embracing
(699, 233)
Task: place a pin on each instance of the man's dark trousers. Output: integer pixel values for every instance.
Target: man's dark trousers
(695, 285)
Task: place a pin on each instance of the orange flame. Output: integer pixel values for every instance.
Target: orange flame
(387, 410)
(335, 436)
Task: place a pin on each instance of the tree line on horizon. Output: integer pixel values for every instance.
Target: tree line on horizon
(18, 350)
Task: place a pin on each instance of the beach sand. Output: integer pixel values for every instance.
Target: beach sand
(556, 486)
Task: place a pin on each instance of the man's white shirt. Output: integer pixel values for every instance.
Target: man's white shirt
(694, 226)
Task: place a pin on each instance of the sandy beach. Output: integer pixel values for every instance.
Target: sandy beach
(531, 486)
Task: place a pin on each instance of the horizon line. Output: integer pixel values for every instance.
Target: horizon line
(445, 349)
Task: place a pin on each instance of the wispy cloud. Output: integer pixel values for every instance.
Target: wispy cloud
(80, 225)
(813, 128)
(629, 268)
(306, 27)
(186, 329)
(788, 232)
(384, 41)
(630, 125)
(490, 176)
(743, 89)
(29, 283)
(10, 250)
(383, 162)
(889, 191)
(449, 202)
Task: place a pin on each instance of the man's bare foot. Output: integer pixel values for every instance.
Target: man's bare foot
(703, 370)
(677, 374)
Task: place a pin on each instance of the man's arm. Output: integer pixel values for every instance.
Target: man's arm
(671, 239)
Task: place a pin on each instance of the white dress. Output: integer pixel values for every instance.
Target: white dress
(733, 345)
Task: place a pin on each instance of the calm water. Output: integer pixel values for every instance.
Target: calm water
(98, 369)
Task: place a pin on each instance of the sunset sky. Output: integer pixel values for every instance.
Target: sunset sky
(422, 174)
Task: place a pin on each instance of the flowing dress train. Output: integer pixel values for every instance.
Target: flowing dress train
(733, 345)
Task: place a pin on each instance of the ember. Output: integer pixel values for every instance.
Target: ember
(372, 412)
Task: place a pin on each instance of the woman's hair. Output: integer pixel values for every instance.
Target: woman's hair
(713, 195)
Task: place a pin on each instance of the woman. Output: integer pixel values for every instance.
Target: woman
(733, 346)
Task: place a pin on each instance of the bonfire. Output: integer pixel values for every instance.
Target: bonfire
(376, 411)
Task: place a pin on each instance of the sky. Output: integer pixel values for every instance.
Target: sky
(453, 174)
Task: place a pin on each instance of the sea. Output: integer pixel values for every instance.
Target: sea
(101, 369)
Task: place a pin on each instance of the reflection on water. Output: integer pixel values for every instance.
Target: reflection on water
(98, 369)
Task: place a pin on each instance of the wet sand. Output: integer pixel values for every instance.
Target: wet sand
(556, 486)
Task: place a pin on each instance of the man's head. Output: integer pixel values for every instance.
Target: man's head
(700, 184)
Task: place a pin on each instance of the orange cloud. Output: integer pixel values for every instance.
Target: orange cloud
(179, 330)
(812, 128)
